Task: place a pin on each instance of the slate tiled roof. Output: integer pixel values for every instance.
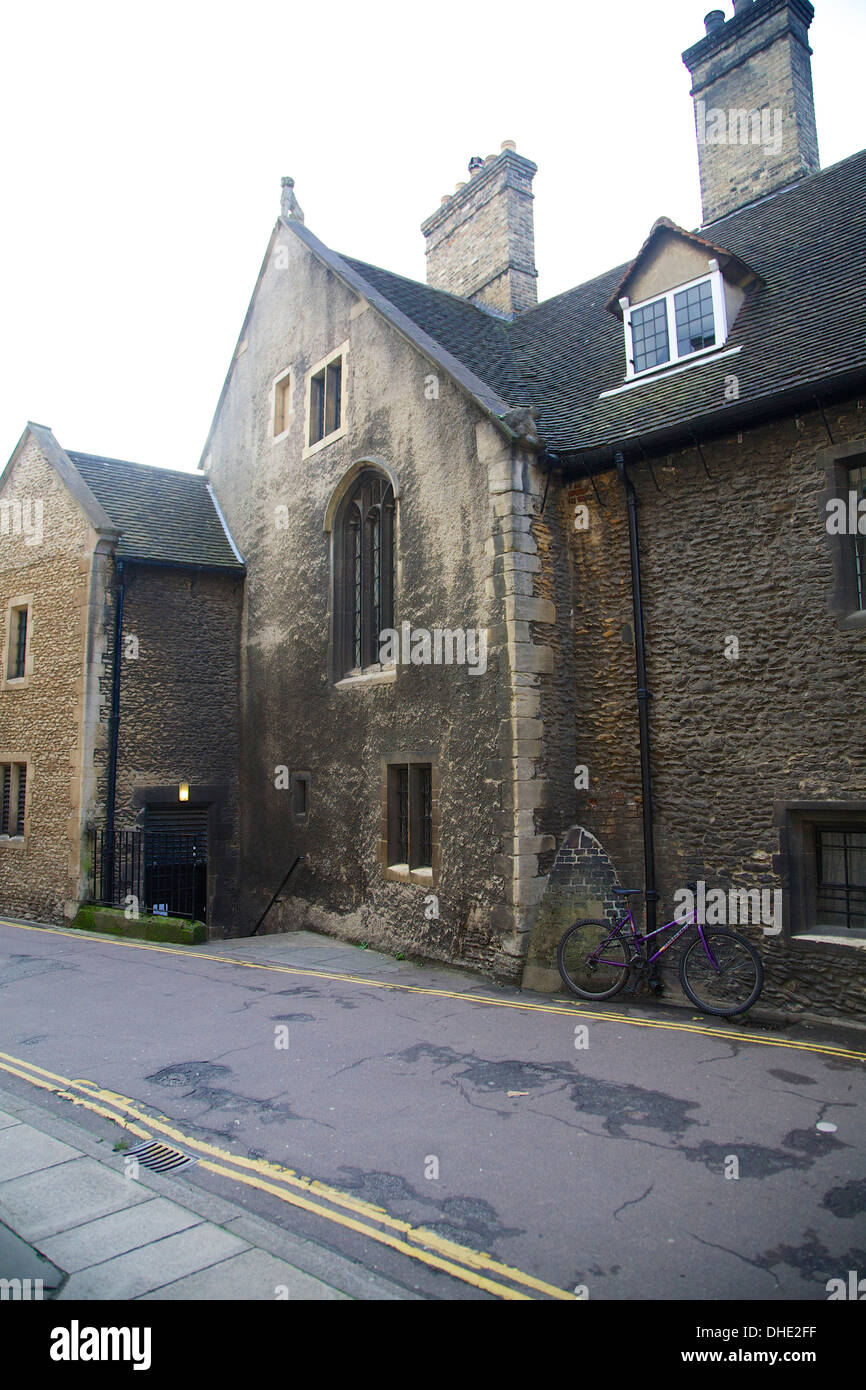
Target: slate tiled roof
(477, 339)
(802, 328)
(161, 514)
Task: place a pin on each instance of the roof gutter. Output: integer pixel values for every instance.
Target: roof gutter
(114, 723)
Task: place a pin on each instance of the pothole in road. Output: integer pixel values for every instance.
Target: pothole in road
(188, 1074)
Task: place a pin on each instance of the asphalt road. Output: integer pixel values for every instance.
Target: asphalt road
(416, 1097)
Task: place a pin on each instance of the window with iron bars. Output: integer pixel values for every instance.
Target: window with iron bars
(13, 807)
(17, 661)
(841, 877)
(410, 815)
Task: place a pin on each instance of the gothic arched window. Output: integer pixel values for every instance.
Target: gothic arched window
(364, 571)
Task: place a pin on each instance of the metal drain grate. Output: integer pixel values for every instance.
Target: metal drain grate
(159, 1157)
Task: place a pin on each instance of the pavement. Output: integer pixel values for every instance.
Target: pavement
(366, 1127)
(88, 1226)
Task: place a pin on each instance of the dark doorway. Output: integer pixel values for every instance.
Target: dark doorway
(176, 860)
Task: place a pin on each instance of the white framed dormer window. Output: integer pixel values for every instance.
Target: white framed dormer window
(681, 323)
(326, 400)
(281, 404)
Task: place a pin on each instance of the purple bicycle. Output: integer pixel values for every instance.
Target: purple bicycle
(720, 971)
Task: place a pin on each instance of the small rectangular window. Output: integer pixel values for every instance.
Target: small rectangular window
(410, 815)
(317, 408)
(680, 323)
(282, 403)
(649, 327)
(300, 797)
(18, 628)
(841, 877)
(694, 315)
(857, 484)
(333, 384)
(326, 401)
(13, 806)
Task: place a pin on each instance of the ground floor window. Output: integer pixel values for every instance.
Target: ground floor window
(841, 877)
(14, 798)
(410, 819)
(823, 868)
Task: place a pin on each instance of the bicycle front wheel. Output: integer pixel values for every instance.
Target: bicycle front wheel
(592, 961)
(727, 984)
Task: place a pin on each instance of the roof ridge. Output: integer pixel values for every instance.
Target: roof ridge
(130, 463)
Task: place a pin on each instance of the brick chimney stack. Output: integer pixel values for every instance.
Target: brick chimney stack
(754, 110)
(481, 240)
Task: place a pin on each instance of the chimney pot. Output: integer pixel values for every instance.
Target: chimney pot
(740, 5)
(508, 145)
(475, 163)
(714, 20)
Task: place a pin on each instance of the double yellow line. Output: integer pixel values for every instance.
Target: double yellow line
(318, 1198)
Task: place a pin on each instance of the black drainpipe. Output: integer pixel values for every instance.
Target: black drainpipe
(114, 725)
(643, 697)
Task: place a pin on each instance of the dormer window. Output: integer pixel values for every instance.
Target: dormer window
(682, 322)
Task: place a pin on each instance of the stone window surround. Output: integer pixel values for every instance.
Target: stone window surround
(342, 352)
(720, 319)
(282, 400)
(842, 599)
(421, 878)
(18, 841)
(18, 682)
(796, 864)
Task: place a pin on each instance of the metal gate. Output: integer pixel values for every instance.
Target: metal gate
(161, 870)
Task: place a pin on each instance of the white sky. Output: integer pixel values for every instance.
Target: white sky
(143, 148)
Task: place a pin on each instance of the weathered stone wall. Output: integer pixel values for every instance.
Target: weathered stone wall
(179, 706)
(740, 554)
(42, 722)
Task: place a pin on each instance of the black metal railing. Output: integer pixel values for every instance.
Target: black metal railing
(154, 871)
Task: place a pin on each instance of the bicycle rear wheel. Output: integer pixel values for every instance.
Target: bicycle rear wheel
(592, 961)
(734, 986)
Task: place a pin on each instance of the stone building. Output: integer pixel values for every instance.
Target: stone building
(93, 550)
(540, 598)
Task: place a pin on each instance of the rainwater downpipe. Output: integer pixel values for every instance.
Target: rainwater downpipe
(114, 728)
(643, 697)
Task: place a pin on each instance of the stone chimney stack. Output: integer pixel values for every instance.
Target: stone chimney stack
(754, 111)
(481, 240)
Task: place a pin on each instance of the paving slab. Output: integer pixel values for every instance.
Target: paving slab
(7, 1120)
(42, 1204)
(155, 1265)
(252, 1277)
(19, 1261)
(96, 1241)
(26, 1150)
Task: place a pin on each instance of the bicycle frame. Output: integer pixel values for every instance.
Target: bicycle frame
(639, 940)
